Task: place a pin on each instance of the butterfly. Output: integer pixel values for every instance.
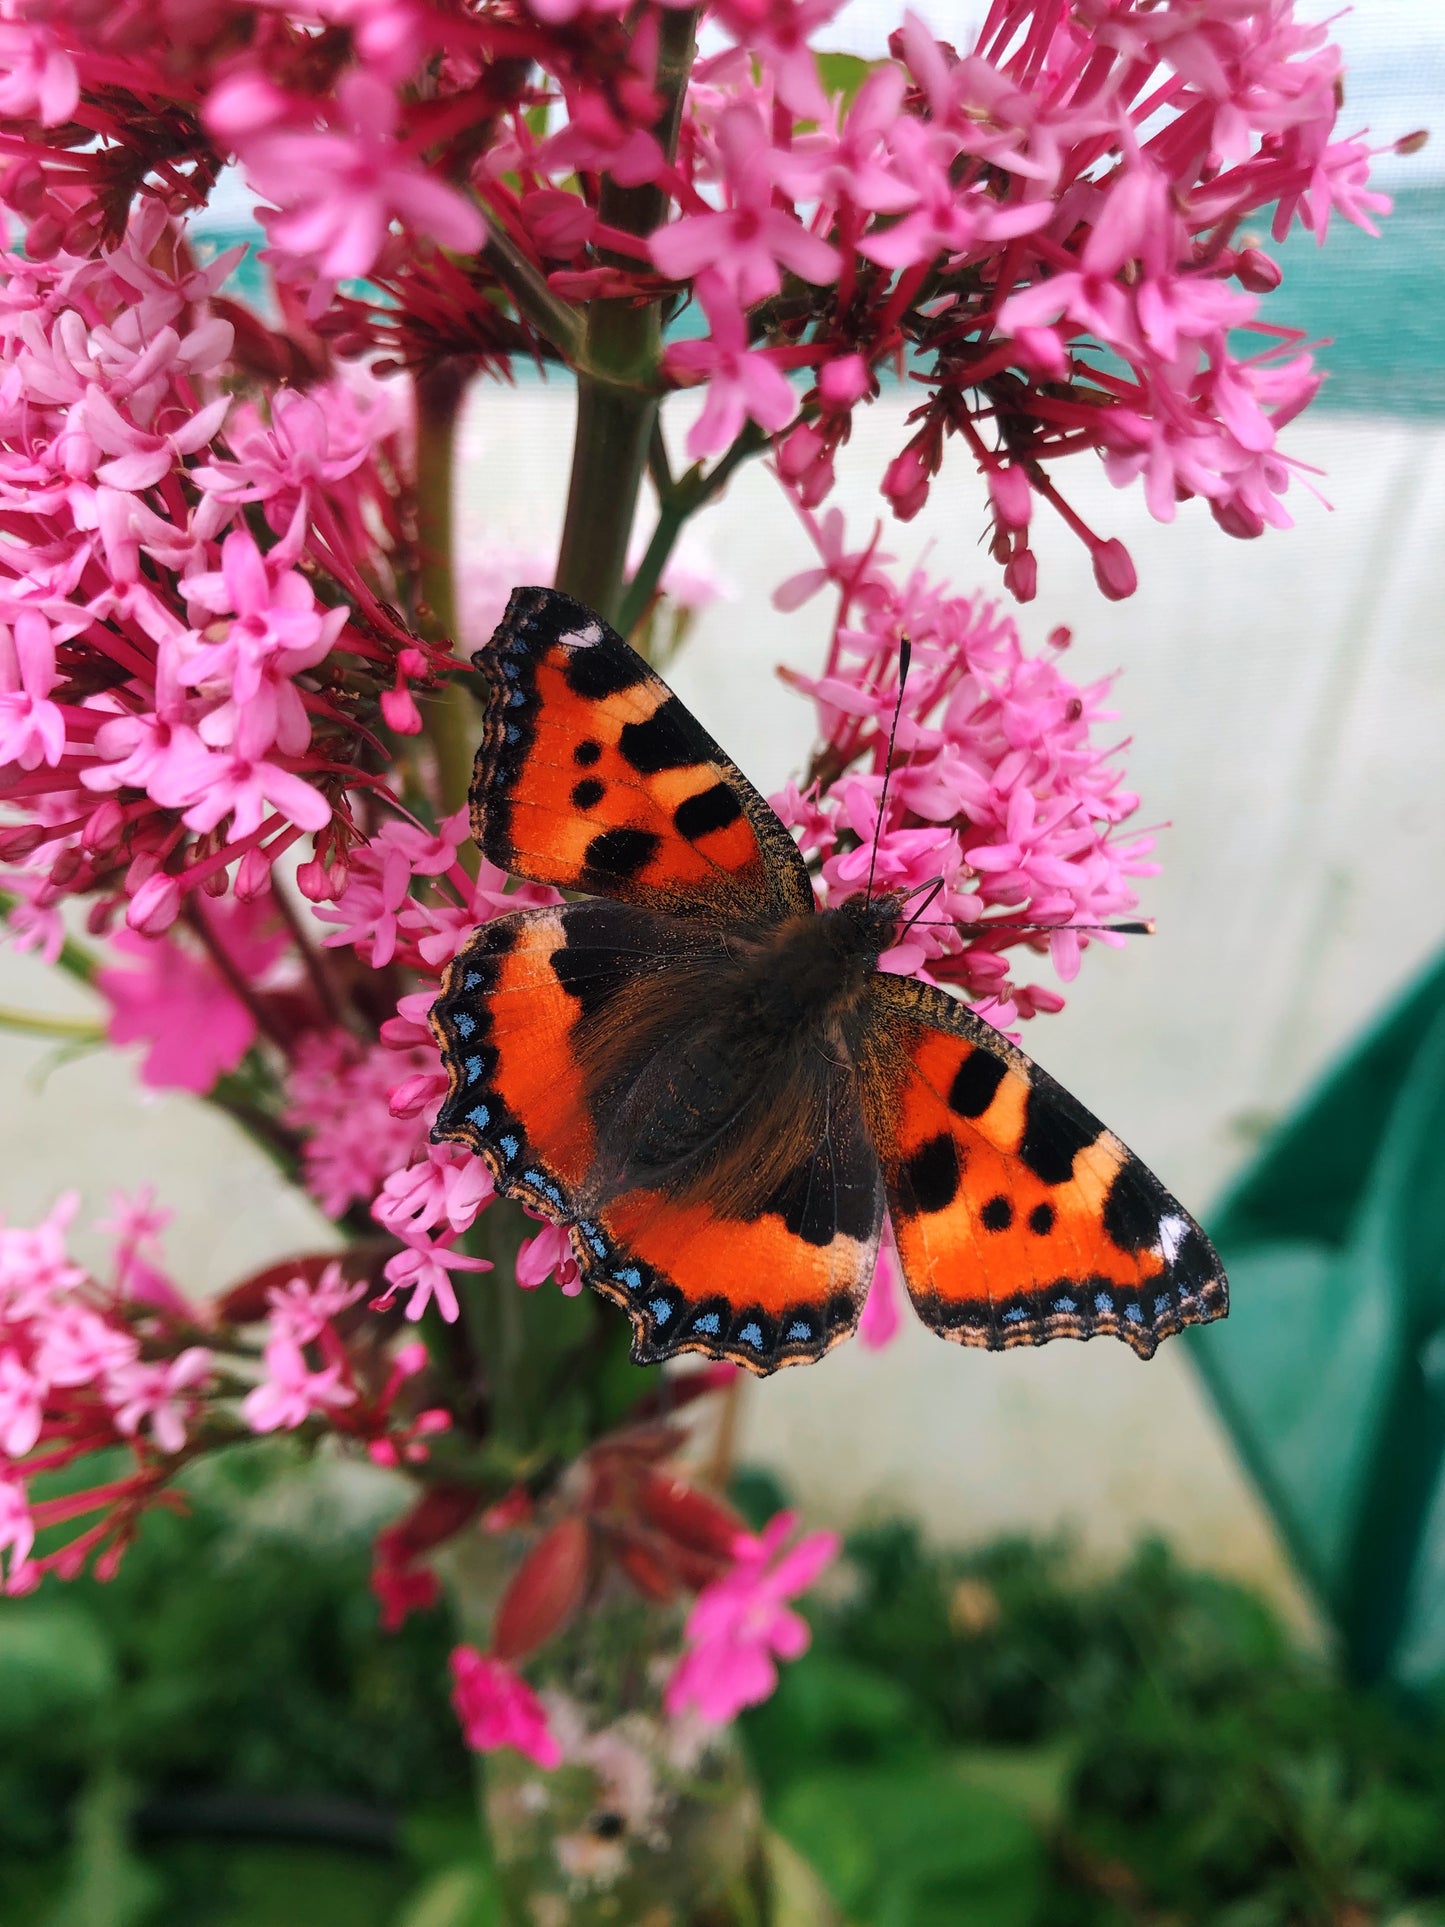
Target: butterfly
(709, 1083)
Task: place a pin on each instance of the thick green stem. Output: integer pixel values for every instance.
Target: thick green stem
(449, 715)
(617, 376)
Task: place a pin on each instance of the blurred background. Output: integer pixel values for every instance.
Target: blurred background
(1252, 1514)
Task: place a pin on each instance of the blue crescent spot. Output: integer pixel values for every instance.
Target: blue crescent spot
(509, 1147)
(480, 1116)
(1103, 1303)
(631, 1277)
(751, 1334)
(516, 699)
(474, 1069)
(1016, 1316)
(465, 1025)
(1133, 1314)
(1161, 1305)
(661, 1310)
(708, 1322)
(799, 1329)
(513, 733)
(594, 1237)
(471, 980)
(1065, 1304)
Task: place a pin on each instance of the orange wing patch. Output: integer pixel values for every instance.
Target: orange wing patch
(776, 1283)
(1018, 1217)
(593, 776)
(504, 1023)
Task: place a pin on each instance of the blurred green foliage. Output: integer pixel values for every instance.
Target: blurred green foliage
(992, 1740)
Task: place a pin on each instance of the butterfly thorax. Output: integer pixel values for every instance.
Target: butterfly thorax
(813, 968)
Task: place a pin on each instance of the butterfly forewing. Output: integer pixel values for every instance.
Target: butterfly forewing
(1018, 1217)
(592, 776)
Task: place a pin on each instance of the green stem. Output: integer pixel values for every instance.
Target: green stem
(449, 715)
(556, 321)
(617, 374)
(72, 1030)
(677, 504)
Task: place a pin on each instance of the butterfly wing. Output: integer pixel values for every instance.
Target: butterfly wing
(1018, 1217)
(593, 776)
(591, 1059)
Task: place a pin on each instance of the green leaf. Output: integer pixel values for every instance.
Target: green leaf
(844, 74)
(106, 1885)
(459, 1897)
(917, 1848)
(55, 1665)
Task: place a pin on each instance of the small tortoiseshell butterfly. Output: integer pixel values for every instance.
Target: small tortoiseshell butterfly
(709, 1083)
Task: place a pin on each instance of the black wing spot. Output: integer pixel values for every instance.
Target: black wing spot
(997, 1214)
(596, 960)
(586, 753)
(602, 671)
(587, 793)
(1041, 1219)
(1056, 1129)
(713, 809)
(620, 854)
(1131, 1215)
(976, 1082)
(665, 741)
(932, 1174)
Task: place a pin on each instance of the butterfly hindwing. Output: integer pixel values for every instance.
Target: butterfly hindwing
(1018, 1217)
(588, 1054)
(592, 776)
(778, 1280)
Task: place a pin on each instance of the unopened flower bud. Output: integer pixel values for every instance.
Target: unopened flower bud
(843, 382)
(154, 906)
(1012, 498)
(1114, 570)
(906, 483)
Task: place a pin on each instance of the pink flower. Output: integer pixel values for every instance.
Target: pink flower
(22, 1406)
(176, 1002)
(742, 384)
(37, 77)
(740, 1625)
(339, 192)
(423, 1270)
(882, 1319)
(550, 1251)
(443, 1188)
(291, 1392)
(745, 247)
(156, 1396)
(32, 729)
(17, 1533)
(301, 1311)
(276, 630)
(497, 1708)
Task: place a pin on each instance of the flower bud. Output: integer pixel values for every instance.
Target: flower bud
(1012, 498)
(154, 906)
(906, 483)
(546, 1591)
(843, 382)
(1114, 570)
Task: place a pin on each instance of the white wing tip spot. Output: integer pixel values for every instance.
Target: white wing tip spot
(1172, 1234)
(586, 637)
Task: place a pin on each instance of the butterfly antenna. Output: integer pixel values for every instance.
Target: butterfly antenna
(905, 656)
(1085, 929)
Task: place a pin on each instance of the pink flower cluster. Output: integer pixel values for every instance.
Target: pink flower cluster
(1047, 229)
(85, 1366)
(175, 698)
(739, 1627)
(998, 792)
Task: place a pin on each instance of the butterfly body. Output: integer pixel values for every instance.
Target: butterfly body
(709, 1082)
